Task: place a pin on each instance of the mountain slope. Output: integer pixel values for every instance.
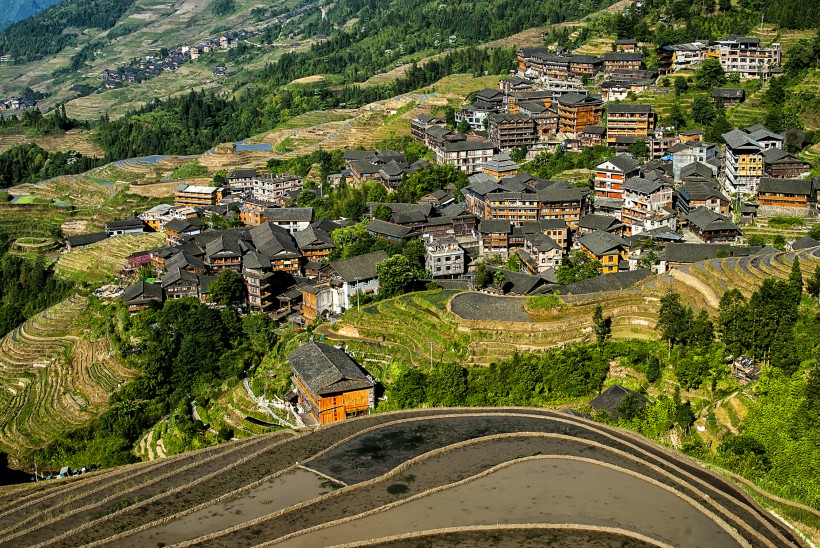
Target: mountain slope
(17, 10)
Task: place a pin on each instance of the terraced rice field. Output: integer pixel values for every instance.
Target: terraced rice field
(104, 260)
(398, 478)
(478, 329)
(51, 378)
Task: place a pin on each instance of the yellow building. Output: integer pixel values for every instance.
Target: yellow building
(605, 248)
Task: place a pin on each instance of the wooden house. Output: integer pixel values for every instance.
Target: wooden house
(606, 248)
(330, 386)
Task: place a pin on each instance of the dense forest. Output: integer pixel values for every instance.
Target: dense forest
(29, 164)
(50, 30)
(26, 288)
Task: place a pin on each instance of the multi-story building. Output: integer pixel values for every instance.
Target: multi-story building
(745, 56)
(622, 61)
(508, 131)
(689, 152)
(626, 44)
(545, 252)
(275, 188)
(197, 195)
(499, 166)
(541, 62)
(611, 175)
(743, 166)
(677, 57)
(494, 238)
(257, 272)
(562, 202)
(421, 123)
(576, 111)
(465, 155)
(695, 194)
(786, 195)
(445, 258)
(514, 207)
(712, 227)
(646, 205)
(629, 120)
(606, 248)
(779, 164)
(292, 219)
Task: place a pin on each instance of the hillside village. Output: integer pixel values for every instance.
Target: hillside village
(674, 200)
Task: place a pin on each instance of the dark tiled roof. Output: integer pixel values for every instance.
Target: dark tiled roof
(623, 162)
(323, 369)
(600, 242)
(86, 239)
(127, 224)
(495, 227)
(643, 186)
(623, 56)
(359, 268)
(610, 399)
(728, 93)
(599, 222)
(800, 187)
(273, 241)
(707, 220)
(606, 282)
(692, 253)
(289, 214)
(466, 146)
(143, 291)
(378, 226)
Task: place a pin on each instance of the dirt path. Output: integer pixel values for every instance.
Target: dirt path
(148, 442)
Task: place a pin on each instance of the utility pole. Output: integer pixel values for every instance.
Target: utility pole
(358, 308)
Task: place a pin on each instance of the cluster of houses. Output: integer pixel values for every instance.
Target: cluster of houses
(549, 102)
(17, 103)
(151, 66)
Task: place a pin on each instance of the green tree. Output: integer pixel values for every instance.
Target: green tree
(410, 389)
(228, 289)
(447, 385)
(710, 74)
(464, 127)
(796, 278)
(779, 241)
(703, 112)
(382, 212)
(813, 283)
(259, 330)
(395, 273)
(674, 319)
(677, 117)
(756, 240)
(483, 276)
(576, 267)
(681, 85)
(733, 321)
(653, 369)
(499, 278)
(638, 149)
(602, 326)
(518, 155)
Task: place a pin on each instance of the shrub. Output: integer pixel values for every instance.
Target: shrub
(542, 303)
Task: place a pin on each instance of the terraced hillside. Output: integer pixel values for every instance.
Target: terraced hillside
(102, 261)
(476, 328)
(400, 478)
(52, 378)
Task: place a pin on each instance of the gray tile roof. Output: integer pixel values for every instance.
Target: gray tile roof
(359, 268)
(799, 187)
(325, 370)
(495, 227)
(601, 243)
(392, 230)
(629, 108)
(707, 220)
(623, 162)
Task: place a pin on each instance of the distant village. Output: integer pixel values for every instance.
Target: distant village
(687, 201)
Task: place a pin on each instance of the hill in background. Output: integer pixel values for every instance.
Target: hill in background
(16, 10)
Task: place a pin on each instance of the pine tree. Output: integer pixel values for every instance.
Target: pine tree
(601, 325)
